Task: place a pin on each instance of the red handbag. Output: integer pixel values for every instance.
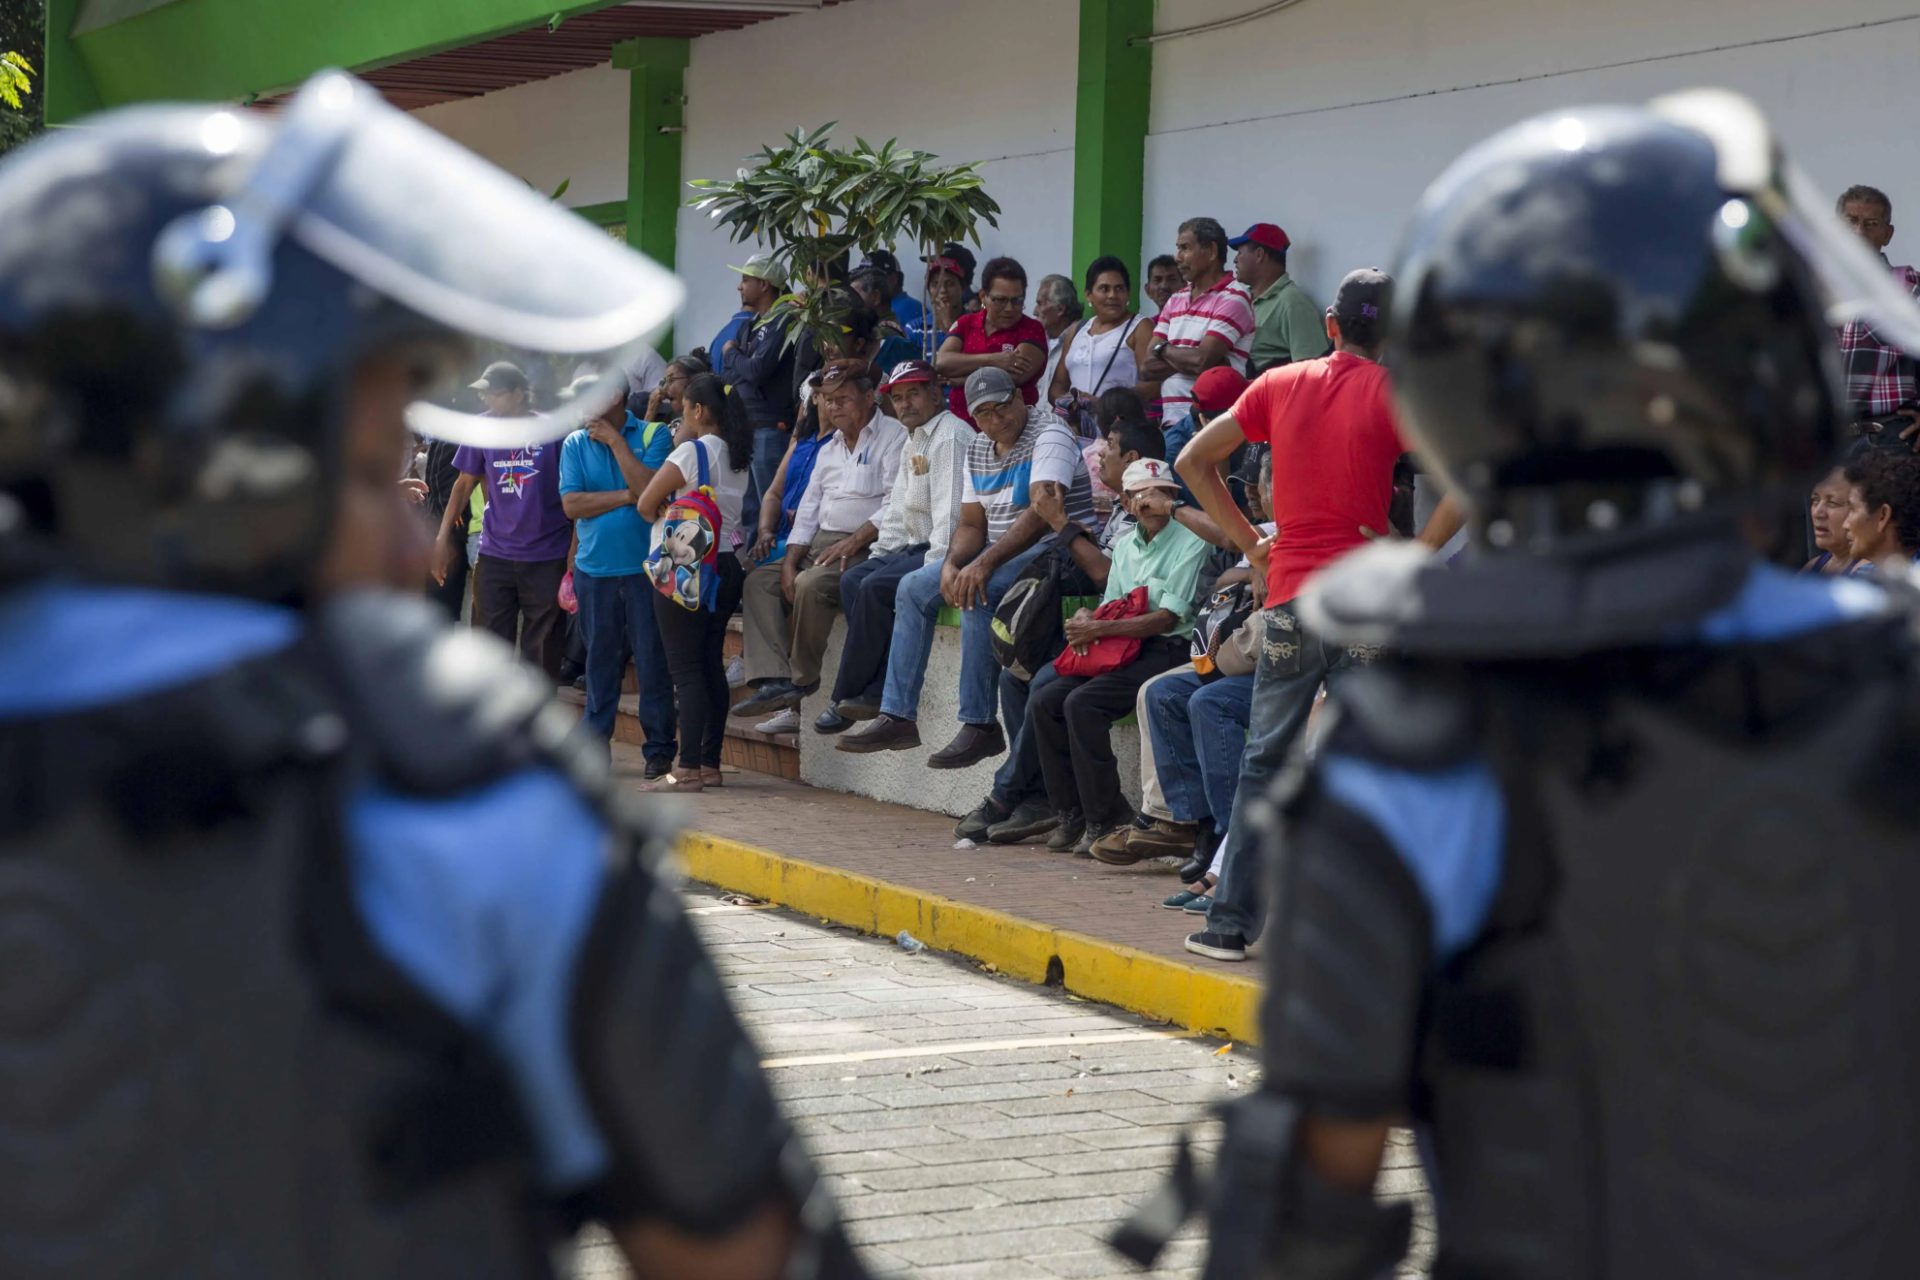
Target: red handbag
(1108, 653)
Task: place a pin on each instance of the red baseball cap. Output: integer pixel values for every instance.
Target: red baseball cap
(908, 371)
(1264, 234)
(946, 264)
(1216, 390)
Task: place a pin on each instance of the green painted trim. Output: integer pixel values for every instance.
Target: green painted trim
(666, 53)
(613, 213)
(656, 119)
(1110, 131)
(66, 82)
(228, 49)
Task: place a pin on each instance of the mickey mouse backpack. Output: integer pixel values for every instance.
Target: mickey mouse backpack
(682, 563)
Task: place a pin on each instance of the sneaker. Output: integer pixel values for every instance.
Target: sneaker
(657, 769)
(1072, 827)
(787, 721)
(1029, 819)
(882, 733)
(974, 826)
(770, 696)
(1159, 837)
(1178, 901)
(1083, 847)
(857, 708)
(974, 743)
(1201, 904)
(831, 721)
(1217, 946)
(1115, 847)
(736, 672)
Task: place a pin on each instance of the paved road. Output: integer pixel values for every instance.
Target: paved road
(971, 1126)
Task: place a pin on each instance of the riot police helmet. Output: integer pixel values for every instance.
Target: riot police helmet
(187, 291)
(1615, 320)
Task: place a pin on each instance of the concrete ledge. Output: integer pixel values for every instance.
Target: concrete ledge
(902, 777)
(1197, 999)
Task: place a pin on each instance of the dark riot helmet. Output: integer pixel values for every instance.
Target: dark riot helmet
(1614, 319)
(186, 292)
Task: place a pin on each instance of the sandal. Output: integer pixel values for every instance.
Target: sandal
(675, 783)
(712, 777)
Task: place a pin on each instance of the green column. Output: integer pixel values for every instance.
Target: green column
(1110, 131)
(656, 117)
(65, 79)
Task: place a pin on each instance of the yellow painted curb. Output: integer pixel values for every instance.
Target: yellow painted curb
(1212, 1003)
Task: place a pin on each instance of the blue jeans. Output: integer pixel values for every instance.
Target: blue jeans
(1293, 665)
(769, 446)
(613, 612)
(1199, 731)
(916, 610)
(1019, 777)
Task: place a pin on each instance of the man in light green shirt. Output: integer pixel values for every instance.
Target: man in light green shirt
(1071, 715)
(1289, 326)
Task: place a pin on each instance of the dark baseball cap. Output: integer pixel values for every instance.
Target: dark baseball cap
(1363, 299)
(909, 371)
(879, 260)
(501, 375)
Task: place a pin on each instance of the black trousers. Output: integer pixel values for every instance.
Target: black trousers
(451, 595)
(1071, 719)
(522, 595)
(695, 641)
(867, 593)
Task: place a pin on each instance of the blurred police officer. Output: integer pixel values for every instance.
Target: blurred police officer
(1603, 877)
(325, 948)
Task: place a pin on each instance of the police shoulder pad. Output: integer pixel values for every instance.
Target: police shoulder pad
(1412, 717)
(439, 709)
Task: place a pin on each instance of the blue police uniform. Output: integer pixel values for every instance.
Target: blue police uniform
(483, 899)
(1449, 826)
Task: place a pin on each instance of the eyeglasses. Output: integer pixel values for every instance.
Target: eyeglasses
(996, 300)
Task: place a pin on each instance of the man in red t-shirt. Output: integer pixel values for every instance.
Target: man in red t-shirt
(999, 335)
(1330, 424)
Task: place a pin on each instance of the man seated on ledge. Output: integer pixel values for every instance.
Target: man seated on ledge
(1021, 450)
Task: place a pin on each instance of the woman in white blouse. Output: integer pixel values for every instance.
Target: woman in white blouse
(1105, 350)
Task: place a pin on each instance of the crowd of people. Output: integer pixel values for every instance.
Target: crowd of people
(1122, 506)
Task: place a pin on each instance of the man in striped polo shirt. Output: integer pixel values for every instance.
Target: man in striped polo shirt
(1207, 324)
(1019, 450)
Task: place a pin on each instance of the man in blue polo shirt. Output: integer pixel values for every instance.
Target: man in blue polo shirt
(604, 466)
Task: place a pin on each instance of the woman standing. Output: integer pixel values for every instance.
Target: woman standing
(718, 447)
(1000, 335)
(1103, 351)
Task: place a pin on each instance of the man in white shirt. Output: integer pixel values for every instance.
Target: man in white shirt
(915, 526)
(788, 605)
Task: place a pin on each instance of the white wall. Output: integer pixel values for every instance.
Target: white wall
(883, 69)
(1331, 117)
(570, 128)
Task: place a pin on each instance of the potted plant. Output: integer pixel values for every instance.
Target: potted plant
(809, 203)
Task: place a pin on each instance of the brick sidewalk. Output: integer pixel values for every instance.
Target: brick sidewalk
(913, 848)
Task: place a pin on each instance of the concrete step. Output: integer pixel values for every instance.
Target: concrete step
(777, 755)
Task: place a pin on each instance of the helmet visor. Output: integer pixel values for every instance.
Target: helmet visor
(414, 216)
(1855, 284)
